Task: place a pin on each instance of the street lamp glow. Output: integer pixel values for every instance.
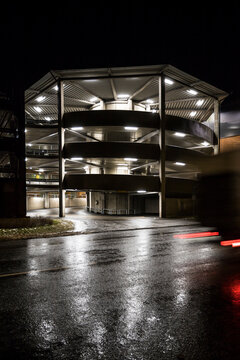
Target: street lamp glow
(192, 92)
(180, 163)
(38, 109)
(130, 159)
(168, 81)
(193, 113)
(179, 134)
(134, 128)
(141, 191)
(40, 98)
(200, 102)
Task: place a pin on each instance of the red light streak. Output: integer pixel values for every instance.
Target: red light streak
(196, 235)
(236, 244)
(230, 242)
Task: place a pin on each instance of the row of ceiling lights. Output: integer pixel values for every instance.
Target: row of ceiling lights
(41, 98)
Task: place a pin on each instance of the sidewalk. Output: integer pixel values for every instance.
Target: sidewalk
(87, 223)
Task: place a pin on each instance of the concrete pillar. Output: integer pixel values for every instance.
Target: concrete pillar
(61, 146)
(46, 201)
(217, 126)
(162, 194)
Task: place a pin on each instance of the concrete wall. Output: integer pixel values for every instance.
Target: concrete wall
(36, 203)
(230, 143)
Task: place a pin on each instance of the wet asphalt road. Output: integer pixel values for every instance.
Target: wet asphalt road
(123, 295)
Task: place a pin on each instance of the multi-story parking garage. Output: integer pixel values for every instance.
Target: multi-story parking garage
(119, 140)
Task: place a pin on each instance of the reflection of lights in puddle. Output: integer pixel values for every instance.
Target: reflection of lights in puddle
(235, 290)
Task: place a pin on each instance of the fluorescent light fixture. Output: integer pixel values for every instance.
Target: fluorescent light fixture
(47, 118)
(154, 111)
(200, 102)
(141, 191)
(41, 170)
(40, 98)
(76, 158)
(121, 164)
(93, 99)
(77, 128)
(168, 81)
(131, 128)
(179, 134)
(29, 145)
(149, 101)
(55, 88)
(205, 143)
(38, 109)
(26, 159)
(193, 113)
(130, 159)
(192, 92)
(123, 96)
(25, 131)
(179, 163)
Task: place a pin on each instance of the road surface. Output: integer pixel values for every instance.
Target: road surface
(136, 294)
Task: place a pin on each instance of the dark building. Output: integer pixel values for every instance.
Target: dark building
(119, 140)
(12, 160)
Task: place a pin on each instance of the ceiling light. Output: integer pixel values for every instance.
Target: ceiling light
(76, 158)
(25, 131)
(123, 96)
(192, 92)
(179, 163)
(154, 111)
(131, 128)
(77, 128)
(130, 159)
(168, 81)
(179, 134)
(149, 101)
(29, 145)
(94, 99)
(205, 143)
(40, 98)
(41, 170)
(121, 164)
(200, 102)
(26, 159)
(141, 191)
(55, 88)
(47, 118)
(38, 109)
(193, 113)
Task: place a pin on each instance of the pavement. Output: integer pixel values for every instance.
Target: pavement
(86, 222)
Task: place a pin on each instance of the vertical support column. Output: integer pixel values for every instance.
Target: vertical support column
(162, 194)
(60, 147)
(46, 201)
(217, 126)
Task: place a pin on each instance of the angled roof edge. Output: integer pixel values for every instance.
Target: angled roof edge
(51, 77)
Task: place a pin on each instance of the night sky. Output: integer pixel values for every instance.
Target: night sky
(197, 39)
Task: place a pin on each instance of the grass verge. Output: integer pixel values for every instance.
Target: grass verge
(55, 227)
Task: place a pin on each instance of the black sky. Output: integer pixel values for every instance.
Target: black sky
(197, 39)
